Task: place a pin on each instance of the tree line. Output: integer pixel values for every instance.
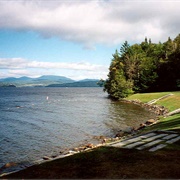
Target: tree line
(144, 67)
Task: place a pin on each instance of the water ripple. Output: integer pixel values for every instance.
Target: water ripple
(33, 126)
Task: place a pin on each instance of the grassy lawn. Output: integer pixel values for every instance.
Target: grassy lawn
(146, 97)
(171, 102)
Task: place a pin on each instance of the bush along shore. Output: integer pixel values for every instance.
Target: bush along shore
(159, 110)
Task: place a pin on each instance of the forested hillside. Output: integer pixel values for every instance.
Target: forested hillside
(144, 67)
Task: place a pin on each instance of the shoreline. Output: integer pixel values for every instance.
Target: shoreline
(56, 165)
(120, 135)
(157, 110)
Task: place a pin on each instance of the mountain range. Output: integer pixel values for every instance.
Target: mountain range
(49, 81)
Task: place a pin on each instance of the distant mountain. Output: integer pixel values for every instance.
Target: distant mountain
(55, 78)
(24, 78)
(82, 83)
(40, 81)
(48, 81)
(84, 80)
(10, 79)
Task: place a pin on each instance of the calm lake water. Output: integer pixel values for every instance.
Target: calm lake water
(35, 122)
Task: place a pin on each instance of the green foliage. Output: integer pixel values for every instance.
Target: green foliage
(117, 85)
(144, 67)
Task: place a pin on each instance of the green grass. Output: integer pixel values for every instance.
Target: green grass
(171, 102)
(146, 97)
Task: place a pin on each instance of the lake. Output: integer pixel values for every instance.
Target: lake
(35, 122)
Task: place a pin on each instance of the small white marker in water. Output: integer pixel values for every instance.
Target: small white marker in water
(47, 97)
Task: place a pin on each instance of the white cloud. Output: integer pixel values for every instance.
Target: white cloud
(19, 63)
(18, 72)
(90, 22)
(21, 67)
(12, 63)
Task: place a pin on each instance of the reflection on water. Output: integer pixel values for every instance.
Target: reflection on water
(123, 115)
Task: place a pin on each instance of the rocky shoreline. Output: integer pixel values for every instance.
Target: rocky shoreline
(157, 109)
(11, 167)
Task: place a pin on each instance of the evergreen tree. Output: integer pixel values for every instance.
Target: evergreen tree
(116, 85)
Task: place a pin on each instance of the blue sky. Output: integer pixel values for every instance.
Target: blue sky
(76, 39)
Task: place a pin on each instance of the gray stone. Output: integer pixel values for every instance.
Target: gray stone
(129, 141)
(155, 137)
(170, 136)
(147, 135)
(120, 144)
(130, 146)
(173, 140)
(149, 144)
(148, 141)
(160, 146)
(132, 140)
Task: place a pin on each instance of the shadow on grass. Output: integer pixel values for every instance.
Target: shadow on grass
(171, 124)
(108, 162)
